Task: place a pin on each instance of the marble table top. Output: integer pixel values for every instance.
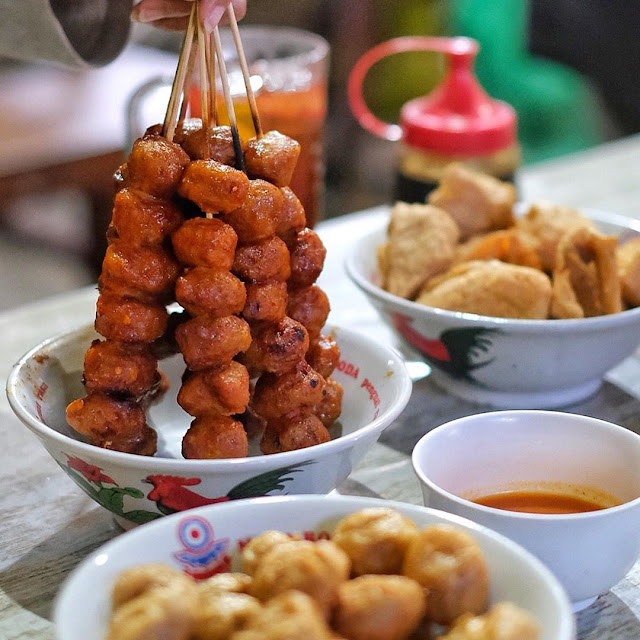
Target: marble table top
(47, 525)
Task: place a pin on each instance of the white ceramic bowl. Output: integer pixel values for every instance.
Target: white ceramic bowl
(82, 606)
(139, 488)
(514, 364)
(482, 454)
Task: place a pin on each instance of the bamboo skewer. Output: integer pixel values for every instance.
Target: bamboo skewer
(177, 88)
(202, 59)
(211, 65)
(228, 99)
(233, 23)
(184, 106)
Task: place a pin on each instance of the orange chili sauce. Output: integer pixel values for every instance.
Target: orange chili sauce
(543, 502)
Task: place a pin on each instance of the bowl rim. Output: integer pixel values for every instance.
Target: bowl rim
(518, 325)
(517, 414)
(556, 592)
(285, 458)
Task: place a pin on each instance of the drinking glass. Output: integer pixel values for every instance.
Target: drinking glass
(288, 69)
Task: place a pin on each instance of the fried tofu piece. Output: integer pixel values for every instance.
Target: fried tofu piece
(421, 243)
(628, 260)
(477, 202)
(490, 288)
(585, 278)
(507, 245)
(545, 223)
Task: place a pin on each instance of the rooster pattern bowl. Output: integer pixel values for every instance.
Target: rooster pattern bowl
(137, 489)
(504, 362)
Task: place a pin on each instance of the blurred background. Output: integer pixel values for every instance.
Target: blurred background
(62, 131)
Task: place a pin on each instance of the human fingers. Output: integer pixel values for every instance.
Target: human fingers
(174, 14)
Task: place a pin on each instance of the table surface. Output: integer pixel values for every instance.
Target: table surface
(47, 525)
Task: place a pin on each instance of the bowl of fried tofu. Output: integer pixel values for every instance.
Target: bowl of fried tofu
(515, 305)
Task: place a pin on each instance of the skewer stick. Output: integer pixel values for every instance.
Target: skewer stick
(211, 65)
(228, 99)
(185, 94)
(202, 59)
(177, 89)
(233, 23)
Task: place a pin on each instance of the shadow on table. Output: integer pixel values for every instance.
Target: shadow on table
(34, 580)
(430, 406)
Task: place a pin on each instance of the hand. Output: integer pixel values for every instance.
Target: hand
(174, 14)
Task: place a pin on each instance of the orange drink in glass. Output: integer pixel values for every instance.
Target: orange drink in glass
(288, 69)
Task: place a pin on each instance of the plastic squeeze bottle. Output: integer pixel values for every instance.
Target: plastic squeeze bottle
(456, 122)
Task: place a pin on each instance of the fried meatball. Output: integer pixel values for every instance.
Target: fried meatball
(375, 607)
(277, 348)
(214, 143)
(450, 565)
(222, 614)
(298, 430)
(207, 342)
(273, 157)
(119, 368)
(288, 616)
(205, 290)
(213, 186)
(292, 216)
(214, 437)
(315, 568)
(112, 424)
(266, 301)
(307, 258)
(130, 320)
(255, 550)
(278, 395)
(223, 392)
(138, 271)
(375, 539)
(205, 242)
(134, 581)
(257, 218)
(155, 166)
(141, 219)
(504, 621)
(262, 261)
(161, 612)
(310, 307)
(231, 582)
(323, 355)
(328, 410)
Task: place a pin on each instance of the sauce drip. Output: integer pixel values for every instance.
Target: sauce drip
(541, 502)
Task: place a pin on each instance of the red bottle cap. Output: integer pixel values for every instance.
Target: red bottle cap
(457, 117)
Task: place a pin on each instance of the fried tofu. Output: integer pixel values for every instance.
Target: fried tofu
(628, 260)
(421, 241)
(545, 223)
(477, 202)
(585, 278)
(490, 288)
(507, 245)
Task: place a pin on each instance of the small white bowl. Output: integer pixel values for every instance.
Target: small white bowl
(82, 606)
(511, 364)
(137, 489)
(482, 454)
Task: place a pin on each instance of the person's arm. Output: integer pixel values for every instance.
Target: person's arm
(91, 32)
(69, 32)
